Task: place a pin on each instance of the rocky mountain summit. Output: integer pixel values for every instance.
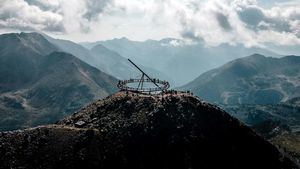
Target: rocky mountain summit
(127, 130)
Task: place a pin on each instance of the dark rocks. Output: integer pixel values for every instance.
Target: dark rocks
(136, 131)
(79, 124)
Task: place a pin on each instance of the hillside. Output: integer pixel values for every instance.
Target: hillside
(19, 55)
(252, 114)
(290, 142)
(255, 79)
(132, 131)
(279, 123)
(39, 85)
(72, 48)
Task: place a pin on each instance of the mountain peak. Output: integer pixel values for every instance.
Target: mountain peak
(36, 34)
(254, 58)
(100, 47)
(34, 41)
(256, 55)
(129, 130)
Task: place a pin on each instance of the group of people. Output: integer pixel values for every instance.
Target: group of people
(178, 92)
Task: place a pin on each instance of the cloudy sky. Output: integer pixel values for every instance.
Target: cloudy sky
(248, 22)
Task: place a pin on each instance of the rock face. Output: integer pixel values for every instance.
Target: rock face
(134, 131)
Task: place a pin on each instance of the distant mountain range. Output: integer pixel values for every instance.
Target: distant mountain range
(105, 60)
(251, 80)
(32, 76)
(40, 84)
(180, 61)
(118, 66)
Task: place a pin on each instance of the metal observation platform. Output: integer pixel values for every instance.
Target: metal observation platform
(141, 85)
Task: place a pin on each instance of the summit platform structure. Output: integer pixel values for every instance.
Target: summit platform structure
(138, 85)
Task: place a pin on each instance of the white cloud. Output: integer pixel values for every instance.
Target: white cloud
(17, 14)
(248, 23)
(211, 21)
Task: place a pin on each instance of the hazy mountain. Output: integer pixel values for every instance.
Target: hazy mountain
(39, 85)
(252, 80)
(72, 48)
(181, 61)
(19, 55)
(105, 60)
(120, 67)
(134, 131)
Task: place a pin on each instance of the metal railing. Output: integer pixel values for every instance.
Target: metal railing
(163, 85)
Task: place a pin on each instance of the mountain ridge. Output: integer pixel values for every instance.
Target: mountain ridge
(253, 79)
(104, 59)
(38, 82)
(181, 61)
